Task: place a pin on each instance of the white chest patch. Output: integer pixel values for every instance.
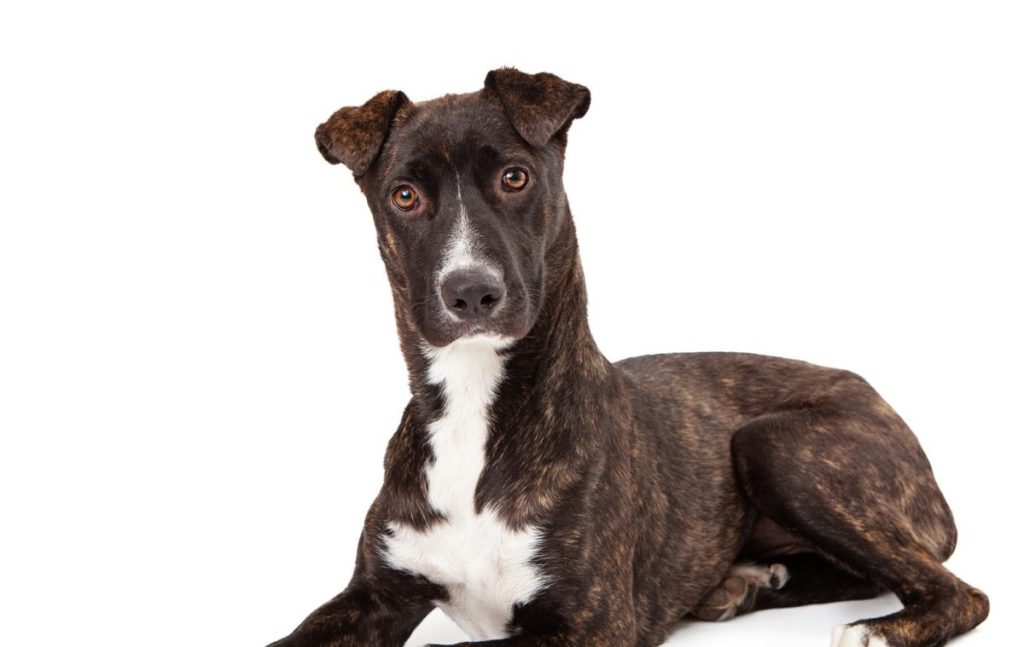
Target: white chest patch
(486, 567)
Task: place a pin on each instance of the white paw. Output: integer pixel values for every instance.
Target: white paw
(856, 636)
(779, 576)
(765, 577)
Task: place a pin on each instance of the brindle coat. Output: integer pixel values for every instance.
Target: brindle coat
(652, 476)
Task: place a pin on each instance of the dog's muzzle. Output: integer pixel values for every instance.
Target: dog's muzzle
(472, 294)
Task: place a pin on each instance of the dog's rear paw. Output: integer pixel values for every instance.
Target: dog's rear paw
(738, 591)
(773, 576)
(779, 576)
(856, 635)
(725, 601)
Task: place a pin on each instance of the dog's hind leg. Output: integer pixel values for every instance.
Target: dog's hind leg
(849, 478)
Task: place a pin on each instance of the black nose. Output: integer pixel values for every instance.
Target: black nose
(471, 294)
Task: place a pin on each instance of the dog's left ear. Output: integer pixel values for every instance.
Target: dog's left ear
(540, 106)
(353, 136)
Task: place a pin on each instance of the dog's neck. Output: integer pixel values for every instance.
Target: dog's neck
(486, 414)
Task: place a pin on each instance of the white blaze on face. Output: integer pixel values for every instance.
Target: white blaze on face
(460, 251)
(486, 567)
(459, 248)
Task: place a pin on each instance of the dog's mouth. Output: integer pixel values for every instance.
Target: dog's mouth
(501, 328)
(512, 321)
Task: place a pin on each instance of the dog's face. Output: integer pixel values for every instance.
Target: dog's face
(466, 193)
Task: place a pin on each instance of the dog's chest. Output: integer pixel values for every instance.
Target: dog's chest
(485, 567)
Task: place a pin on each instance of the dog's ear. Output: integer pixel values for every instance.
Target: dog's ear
(540, 106)
(353, 136)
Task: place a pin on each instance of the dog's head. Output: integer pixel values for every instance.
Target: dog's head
(466, 193)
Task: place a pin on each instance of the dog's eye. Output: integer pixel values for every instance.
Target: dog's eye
(514, 179)
(405, 198)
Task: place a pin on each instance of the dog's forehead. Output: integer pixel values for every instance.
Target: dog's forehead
(450, 129)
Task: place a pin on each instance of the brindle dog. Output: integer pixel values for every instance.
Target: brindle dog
(542, 495)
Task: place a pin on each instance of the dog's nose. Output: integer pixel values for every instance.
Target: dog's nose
(471, 294)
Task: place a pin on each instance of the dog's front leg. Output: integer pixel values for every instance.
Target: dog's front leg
(369, 612)
(359, 616)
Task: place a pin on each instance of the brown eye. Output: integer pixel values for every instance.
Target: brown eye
(405, 198)
(514, 179)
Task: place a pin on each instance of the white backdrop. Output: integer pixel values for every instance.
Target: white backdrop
(198, 365)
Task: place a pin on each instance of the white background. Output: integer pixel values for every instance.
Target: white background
(198, 364)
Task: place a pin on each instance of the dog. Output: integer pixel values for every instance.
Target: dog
(541, 495)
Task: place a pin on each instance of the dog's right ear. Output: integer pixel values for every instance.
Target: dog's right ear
(353, 136)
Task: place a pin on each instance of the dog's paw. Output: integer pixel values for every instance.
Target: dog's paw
(856, 635)
(738, 591)
(725, 601)
(773, 576)
(778, 576)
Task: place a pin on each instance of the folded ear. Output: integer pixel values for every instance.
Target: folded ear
(540, 106)
(353, 136)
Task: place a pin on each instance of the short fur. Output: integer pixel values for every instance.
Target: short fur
(629, 495)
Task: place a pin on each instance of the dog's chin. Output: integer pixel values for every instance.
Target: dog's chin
(501, 332)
